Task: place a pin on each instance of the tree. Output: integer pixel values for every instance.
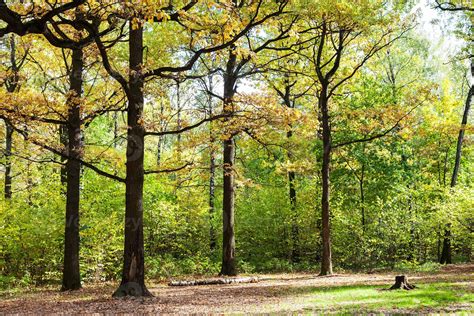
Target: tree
(458, 6)
(70, 129)
(12, 84)
(340, 34)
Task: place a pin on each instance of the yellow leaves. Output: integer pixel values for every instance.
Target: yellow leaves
(301, 166)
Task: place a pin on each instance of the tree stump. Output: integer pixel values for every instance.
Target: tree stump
(401, 283)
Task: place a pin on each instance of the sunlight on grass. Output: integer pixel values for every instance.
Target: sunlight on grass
(434, 295)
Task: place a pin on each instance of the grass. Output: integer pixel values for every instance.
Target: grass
(365, 298)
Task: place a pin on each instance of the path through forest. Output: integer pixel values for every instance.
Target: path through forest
(276, 293)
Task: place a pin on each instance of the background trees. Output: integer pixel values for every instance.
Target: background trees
(306, 99)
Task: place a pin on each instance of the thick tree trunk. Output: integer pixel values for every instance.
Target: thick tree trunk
(71, 272)
(228, 246)
(228, 249)
(8, 161)
(401, 283)
(326, 264)
(446, 252)
(133, 273)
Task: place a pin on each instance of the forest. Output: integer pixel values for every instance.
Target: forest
(298, 153)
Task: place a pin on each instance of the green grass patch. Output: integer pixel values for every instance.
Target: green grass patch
(359, 298)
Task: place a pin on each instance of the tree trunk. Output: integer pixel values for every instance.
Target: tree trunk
(295, 250)
(362, 197)
(212, 197)
(465, 118)
(228, 247)
(446, 252)
(116, 130)
(71, 272)
(133, 273)
(8, 161)
(228, 250)
(212, 176)
(63, 139)
(326, 264)
(12, 85)
(161, 137)
(401, 283)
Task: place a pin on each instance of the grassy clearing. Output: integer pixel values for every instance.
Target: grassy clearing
(369, 298)
(450, 290)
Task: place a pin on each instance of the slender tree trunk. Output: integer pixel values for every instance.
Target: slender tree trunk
(228, 247)
(295, 250)
(159, 146)
(133, 273)
(116, 129)
(362, 197)
(12, 85)
(460, 141)
(178, 106)
(445, 167)
(212, 197)
(326, 264)
(71, 272)
(212, 176)
(446, 252)
(63, 139)
(8, 161)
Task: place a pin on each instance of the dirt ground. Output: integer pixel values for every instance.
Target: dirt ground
(276, 293)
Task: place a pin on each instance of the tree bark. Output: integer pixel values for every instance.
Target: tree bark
(228, 246)
(12, 85)
(362, 197)
(63, 139)
(401, 283)
(295, 250)
(460, 141)
(133, 273)
(8, 161)
(446, 252)
(161, 137)
(71, 273)
(212, 197)
(326, 264)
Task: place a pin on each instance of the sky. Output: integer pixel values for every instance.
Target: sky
(438, 28)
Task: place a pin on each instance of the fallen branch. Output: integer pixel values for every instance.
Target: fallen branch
(213, 281)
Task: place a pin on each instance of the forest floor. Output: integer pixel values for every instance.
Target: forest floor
(450, 290)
